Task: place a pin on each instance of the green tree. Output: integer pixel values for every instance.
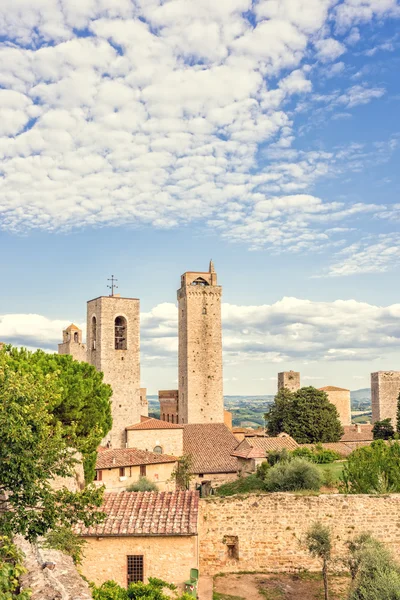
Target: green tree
(143, 484)
(383, 430)
(82, 404)
(293, 475)
(11, 569)
(183, 472)
(33, 451)
(319, 544)
(374, 469)
(306, 415)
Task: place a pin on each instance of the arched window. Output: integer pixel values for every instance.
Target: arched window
(120, 333)
(157, 449)
(200, 281)
(172, 419)
(76, 337)
(94, 332)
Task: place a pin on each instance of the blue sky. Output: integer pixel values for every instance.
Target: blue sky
(143, 138)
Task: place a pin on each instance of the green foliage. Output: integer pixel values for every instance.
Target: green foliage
(375, 574)
(276, 456)
(262, 470)
(154, 590)
(143, 485)
(306, 415)
(318, 454)
(374, 469)
(242, 485)
(183, 472)
(11, 569)
(33, 451)
(297, 474)
(383, 430)
(65, 540)
(398, 415)
(319, 544)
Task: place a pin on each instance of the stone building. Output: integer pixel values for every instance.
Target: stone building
(119, 468)
(385, 390)
(200, 397)
(72, 343)
(154, 435)
(289, 380)
(145, 534)
(340, 397)
(113, 347)
(168, 400)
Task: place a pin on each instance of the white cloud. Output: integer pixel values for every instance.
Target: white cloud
(329, 49)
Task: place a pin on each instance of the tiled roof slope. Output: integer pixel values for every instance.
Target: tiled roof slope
(211, 446)
(357, 433)
(245, 450)
(146, 513)
(154, 424)
(339, 447)
(129, 457)
(269, 444)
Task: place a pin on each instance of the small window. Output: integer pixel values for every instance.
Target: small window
(142, 470)
(94, 332)
(232, 546)
(76, 338)
(172, 419)
(201, 474)
(120, 333)
(122, 471)
(98, 476)
(135, 568)
(204, 311)
(157, 449)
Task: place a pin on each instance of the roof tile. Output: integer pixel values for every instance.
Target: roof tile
(129, 457)
(151, 423)
(211, 446)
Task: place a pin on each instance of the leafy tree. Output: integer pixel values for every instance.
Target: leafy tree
(319, 544)
(383, 430)
(143, 485)
(154, 590)
(276, 456)
(374, 469)
(297, 474)
(306, 415)
(11, 569)
(65, 540)
(82, 404)
(33, 451)
(183, 472)
(318, 454)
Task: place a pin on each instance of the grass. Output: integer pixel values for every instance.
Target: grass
(335, 468)
(242, 485)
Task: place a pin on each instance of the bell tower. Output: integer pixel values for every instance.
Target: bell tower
(72, 343)
(200, 398)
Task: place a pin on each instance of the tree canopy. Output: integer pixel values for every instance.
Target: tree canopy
(34, 450)
(81, 403)
(374, 469)
(306, 415)
(383, 430)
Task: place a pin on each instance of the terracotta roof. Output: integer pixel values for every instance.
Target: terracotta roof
(72, 326)
(332, 388)
(339, 447)
(153, 424)
(211, 446)
(129, 457)
(245, 450)
(146, 513)
(268, 444)
(357, 433)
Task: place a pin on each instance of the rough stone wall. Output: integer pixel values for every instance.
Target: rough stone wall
(290, 380)
(168, 400)
(76, 349)
(215, 478)
(170, 440)
(341, 399)
(270, 527)
(168, 558)
(385, 389)
(160, 474)
(61, 583)
(121, 368)
(200, 350)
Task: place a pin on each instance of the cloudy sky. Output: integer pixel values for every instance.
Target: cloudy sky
(143, 137)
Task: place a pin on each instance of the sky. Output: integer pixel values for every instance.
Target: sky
(141, 138)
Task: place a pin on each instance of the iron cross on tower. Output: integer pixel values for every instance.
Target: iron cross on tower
(112, 286)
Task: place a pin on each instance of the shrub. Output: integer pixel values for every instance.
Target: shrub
(154, 590)
(262, 470)
(64, 539)
(329, 479)
(383, 430)
(142, 485)
(276, 456)
(305, 453)
(297, 474)
(318, 454)
(374, 469)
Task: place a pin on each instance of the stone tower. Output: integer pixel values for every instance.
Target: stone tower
(340, 397)
(72, 343)
(113, 346)
(200, 397)
(385, 390)
(289, 380)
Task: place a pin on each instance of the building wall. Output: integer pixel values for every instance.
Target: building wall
(168, 400)
(158, 474)
(215, 478)
(270, 527)
(168, 558)
(121, 368)
(341, 399)
(385, 389)
(290, 380)
(200, 350)
(228, 419)
(170, 440)
(76, 349)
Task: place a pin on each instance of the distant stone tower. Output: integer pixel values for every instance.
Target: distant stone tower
(72, 343)
(168, 400)
(200, 348)
(113, 346)
(385, 389)
(289, 380)
(340, 397)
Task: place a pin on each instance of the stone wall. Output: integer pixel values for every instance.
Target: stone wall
(170, 440)
(160, 474)
(385, 389)
(270, 527)
(168, 558)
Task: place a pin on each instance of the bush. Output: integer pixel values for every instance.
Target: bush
(142, 485)
(374, 469)
(154, 590)
(305, 453)
(65, 540)
(276, 456)
(318, 455)
(11, 568)
(383, 430)
(297, 474)
(262, 470)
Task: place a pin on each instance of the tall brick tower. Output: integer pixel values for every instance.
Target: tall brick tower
(200, 348)
(72, 343)
(385, 390)
(113, 346)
